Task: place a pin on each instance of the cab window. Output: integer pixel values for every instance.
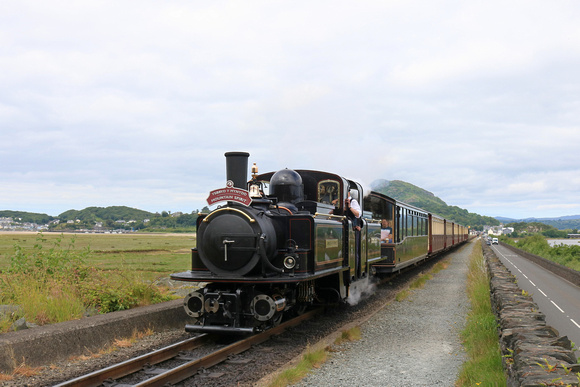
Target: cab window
(328, 191)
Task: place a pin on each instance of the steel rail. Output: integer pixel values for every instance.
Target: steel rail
(186, 370)
(189, 369)
(136, 364)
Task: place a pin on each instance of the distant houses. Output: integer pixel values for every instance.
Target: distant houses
(498, 230)
(117, 219)
(11, 224)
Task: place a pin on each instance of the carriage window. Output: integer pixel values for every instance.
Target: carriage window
(403, 223)
(409, 223)
(327, 191)
(383, 210)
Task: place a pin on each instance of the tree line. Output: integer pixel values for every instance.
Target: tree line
(532, 228)
(110, 218)
(126, 218)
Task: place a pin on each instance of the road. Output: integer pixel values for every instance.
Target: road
(557, 298)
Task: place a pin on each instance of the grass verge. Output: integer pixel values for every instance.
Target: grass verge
(484, 365)
(309, 361)
(402, 295)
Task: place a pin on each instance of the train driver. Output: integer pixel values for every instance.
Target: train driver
(351, 206)
(324, 194)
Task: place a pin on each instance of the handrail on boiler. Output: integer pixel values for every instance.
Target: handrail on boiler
(206, 219)
(339, 217)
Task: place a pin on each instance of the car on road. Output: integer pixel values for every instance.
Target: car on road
(495, 241)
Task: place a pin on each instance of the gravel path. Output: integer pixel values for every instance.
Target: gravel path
(411, 343)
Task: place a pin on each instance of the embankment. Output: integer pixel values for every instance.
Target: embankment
(56, 342)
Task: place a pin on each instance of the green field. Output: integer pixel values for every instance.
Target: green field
(55, 277)
(155, 254)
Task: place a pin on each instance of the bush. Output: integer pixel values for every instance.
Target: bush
(57, 261)
(565, 255)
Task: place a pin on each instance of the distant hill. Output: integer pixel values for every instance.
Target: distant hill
(569, 222)
(506, 220)
(529, 227)
(106, 213)
(27, 217)
(528, 220)
(407, 193)
(421, 198)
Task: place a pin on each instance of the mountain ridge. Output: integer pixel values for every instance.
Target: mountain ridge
(533, 219)
(567, 222)
(419, 197)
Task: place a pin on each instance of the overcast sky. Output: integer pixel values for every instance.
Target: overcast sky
(134, 103)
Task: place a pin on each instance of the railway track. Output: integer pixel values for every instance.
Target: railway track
(152, 372)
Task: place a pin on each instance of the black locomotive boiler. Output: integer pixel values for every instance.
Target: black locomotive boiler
(285, 240)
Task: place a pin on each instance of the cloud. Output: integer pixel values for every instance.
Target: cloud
(116, 103)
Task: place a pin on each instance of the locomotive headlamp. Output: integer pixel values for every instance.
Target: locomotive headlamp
(289, 262)
(264, 307)
(194, 304)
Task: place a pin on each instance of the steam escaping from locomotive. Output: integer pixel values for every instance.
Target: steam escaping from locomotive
(360, 290)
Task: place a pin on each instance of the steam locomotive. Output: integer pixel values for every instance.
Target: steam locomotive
(268, 255)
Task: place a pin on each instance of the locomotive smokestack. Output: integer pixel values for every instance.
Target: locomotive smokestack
(237, 168)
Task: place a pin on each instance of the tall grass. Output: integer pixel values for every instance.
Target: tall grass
(480, 339)
(52, 283)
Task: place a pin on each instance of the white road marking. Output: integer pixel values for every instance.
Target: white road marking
(556, 305)
(544, 294)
